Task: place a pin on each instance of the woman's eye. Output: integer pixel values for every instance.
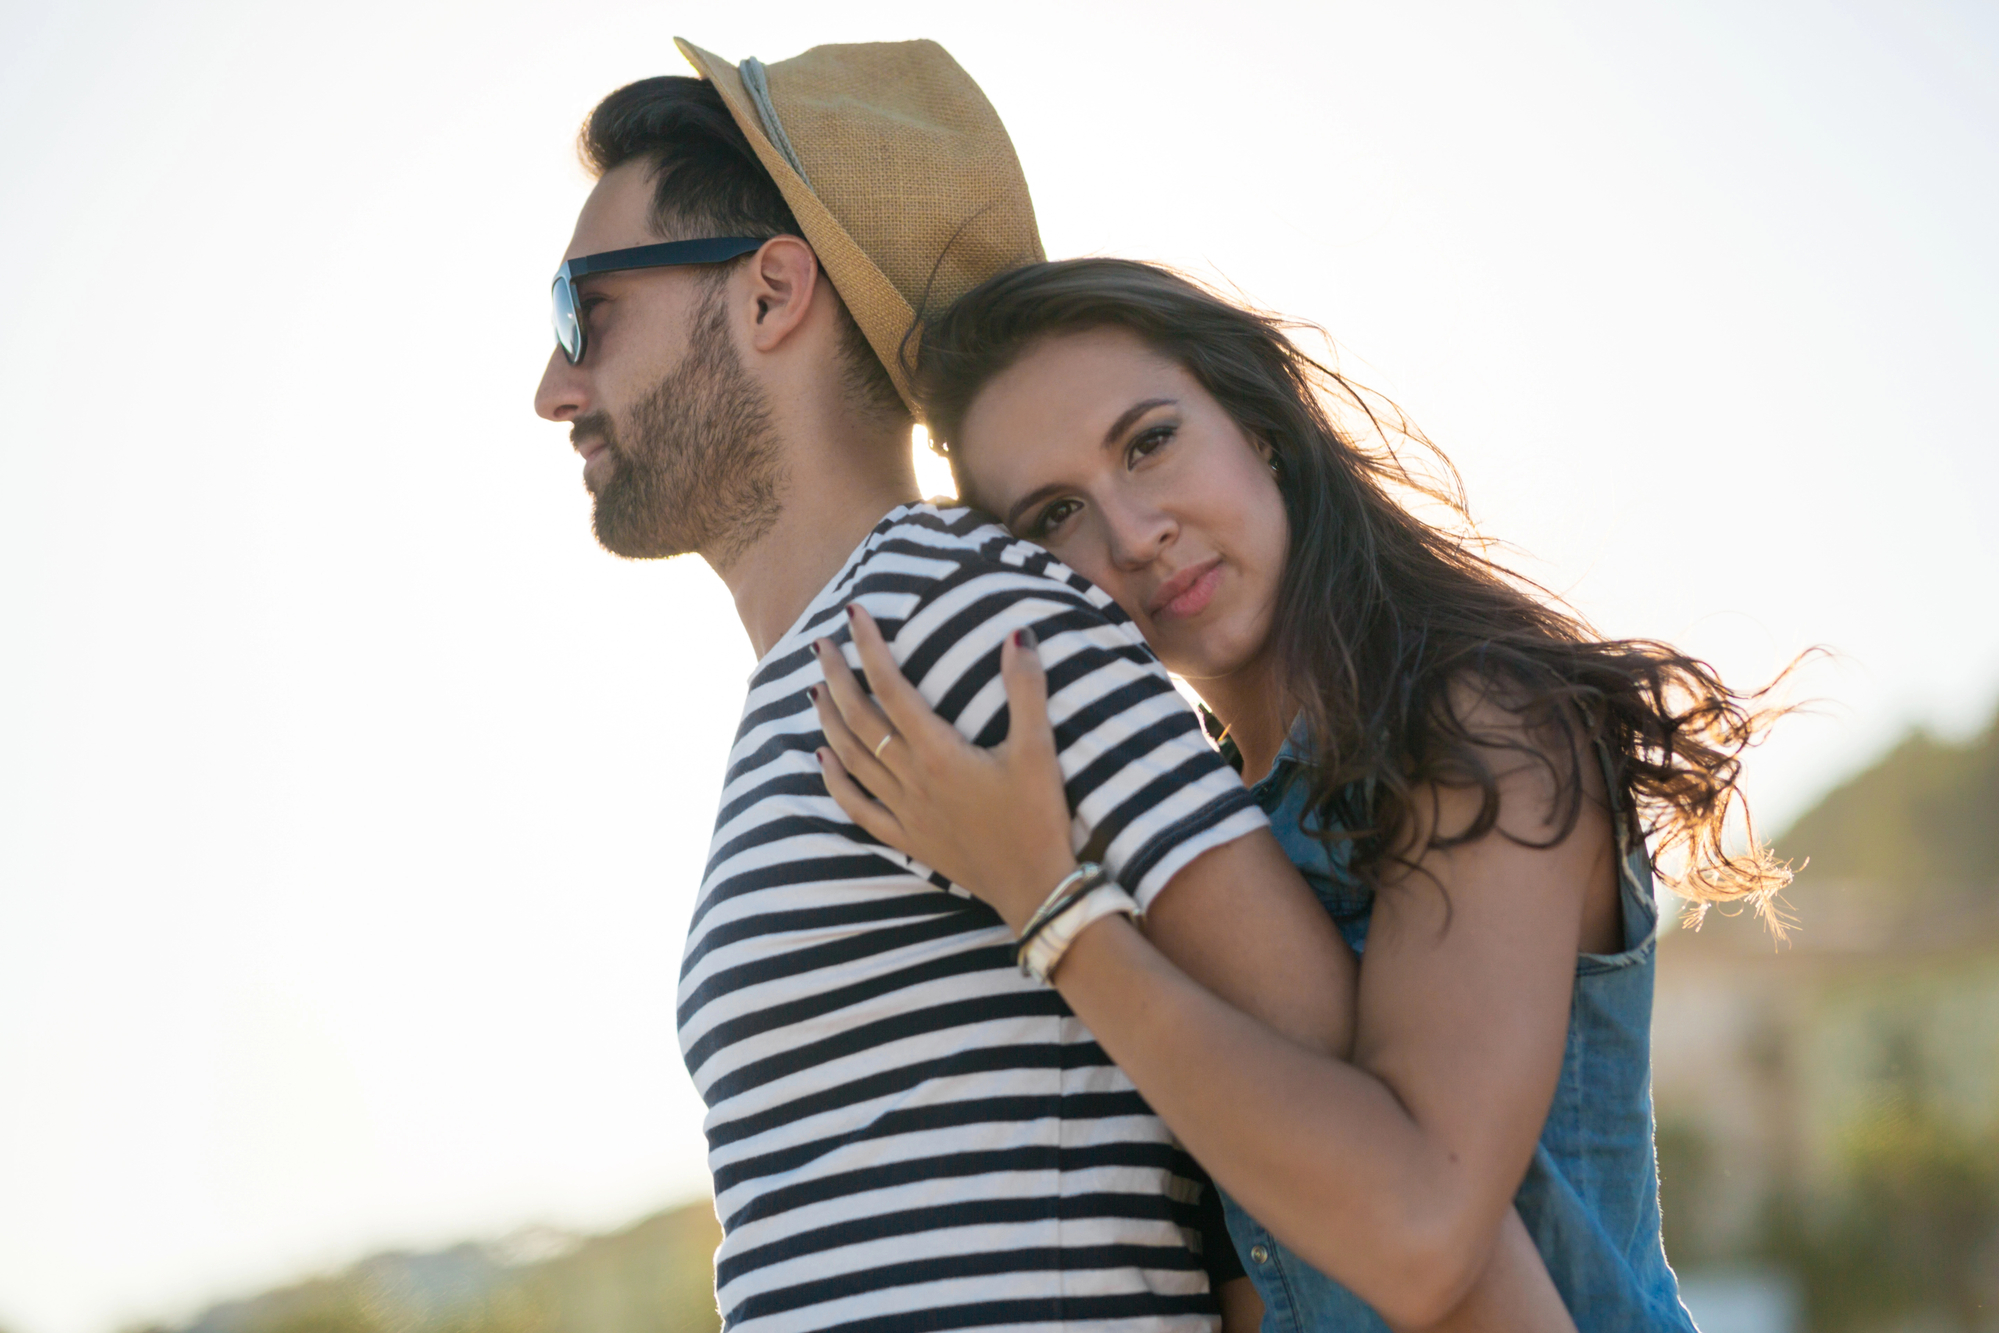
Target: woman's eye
(1148, 441)
(1052, 517)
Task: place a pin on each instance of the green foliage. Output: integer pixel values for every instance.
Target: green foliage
(1894, 1223)
(1912, 1232)
(1685, 1165)
(1925, 817)
(656, 1275)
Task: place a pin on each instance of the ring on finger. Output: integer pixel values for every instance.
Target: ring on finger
(882, 744)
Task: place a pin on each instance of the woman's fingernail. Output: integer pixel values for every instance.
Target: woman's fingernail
(1024, 638)
(820, 755)
(852, 610)
(819, 646)
(812, 693)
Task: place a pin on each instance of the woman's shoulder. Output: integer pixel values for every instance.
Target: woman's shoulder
(1531, 745)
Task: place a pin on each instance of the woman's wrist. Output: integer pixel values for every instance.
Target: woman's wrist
(1029, 886)
(1048, 939)
(1110, 946)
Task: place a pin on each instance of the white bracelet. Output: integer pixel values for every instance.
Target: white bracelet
(1067, 893)
(1046, 949)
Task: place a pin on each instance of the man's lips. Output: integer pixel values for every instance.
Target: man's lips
(590, 446)
(1186, 593)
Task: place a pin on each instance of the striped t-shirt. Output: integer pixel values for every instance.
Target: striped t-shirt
(906, 1133)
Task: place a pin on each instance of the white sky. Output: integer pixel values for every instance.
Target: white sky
(351, 800)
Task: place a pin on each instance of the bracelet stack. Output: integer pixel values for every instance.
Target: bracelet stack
(1086, 894)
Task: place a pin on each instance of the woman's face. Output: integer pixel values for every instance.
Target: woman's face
(1115, 459)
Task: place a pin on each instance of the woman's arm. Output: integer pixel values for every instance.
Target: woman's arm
(1323, 1154)
(1238, 918)
(1395, 1178)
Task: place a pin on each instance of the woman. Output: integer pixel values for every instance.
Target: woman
(1458, 769)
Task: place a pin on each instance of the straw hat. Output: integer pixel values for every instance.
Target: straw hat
(898, 170)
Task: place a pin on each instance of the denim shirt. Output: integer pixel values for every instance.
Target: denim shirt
(1591, 1195)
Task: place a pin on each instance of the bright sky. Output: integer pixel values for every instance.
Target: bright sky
(351, 801)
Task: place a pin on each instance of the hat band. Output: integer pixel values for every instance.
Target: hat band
(758, 87)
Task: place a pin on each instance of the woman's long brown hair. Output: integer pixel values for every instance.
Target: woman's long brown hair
(1384, 618)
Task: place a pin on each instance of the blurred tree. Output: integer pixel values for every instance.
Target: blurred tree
(1832, 1109)
(655, 1276)
(1925, 817)
(1914, 1233)
(1685, 1161)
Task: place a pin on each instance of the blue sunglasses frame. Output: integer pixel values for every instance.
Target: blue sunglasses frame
(567, 315)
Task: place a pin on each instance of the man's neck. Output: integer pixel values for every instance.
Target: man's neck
(829, 509)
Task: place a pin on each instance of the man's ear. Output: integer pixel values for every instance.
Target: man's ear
(784, 275)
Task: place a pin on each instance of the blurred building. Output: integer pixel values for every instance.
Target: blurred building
(1769, 1059)
(1829, 1105)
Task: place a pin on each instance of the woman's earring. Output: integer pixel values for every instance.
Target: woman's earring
(1276, 469)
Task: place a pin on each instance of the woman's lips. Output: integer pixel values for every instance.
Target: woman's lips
(1187, 593)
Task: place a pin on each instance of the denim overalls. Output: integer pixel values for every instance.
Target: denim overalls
(1591, 1196)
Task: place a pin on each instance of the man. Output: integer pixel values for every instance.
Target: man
(904, 1131)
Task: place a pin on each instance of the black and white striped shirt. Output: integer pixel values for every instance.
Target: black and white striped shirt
(905, 1133)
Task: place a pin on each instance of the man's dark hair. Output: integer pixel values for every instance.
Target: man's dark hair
(707, 182)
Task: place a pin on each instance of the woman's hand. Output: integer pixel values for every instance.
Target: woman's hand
(993, 820)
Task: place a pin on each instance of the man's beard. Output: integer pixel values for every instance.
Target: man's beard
(695, 465)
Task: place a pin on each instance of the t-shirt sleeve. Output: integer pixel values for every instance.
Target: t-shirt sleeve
(1147, 792)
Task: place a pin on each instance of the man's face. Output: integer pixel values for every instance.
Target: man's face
(679, 453)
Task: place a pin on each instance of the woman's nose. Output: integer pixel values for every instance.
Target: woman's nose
(1137, 532)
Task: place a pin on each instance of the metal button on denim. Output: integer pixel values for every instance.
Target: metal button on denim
(1259, 1254)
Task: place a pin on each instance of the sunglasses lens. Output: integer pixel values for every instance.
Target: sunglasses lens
(568, 328)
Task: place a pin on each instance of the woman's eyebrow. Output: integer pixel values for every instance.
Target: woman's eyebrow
(1133, 413)
(1111, 437)
(1028, 501)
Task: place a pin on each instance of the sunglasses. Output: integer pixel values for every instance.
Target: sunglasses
(568, 315)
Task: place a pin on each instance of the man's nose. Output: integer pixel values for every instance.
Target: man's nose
(563, 393)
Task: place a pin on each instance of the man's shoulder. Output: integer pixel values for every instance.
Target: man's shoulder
(944, 525)
(925, 550)
(956, 532)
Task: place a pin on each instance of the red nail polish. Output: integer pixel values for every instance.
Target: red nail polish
(1024, 638)
(812, 693)
(852, 610)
